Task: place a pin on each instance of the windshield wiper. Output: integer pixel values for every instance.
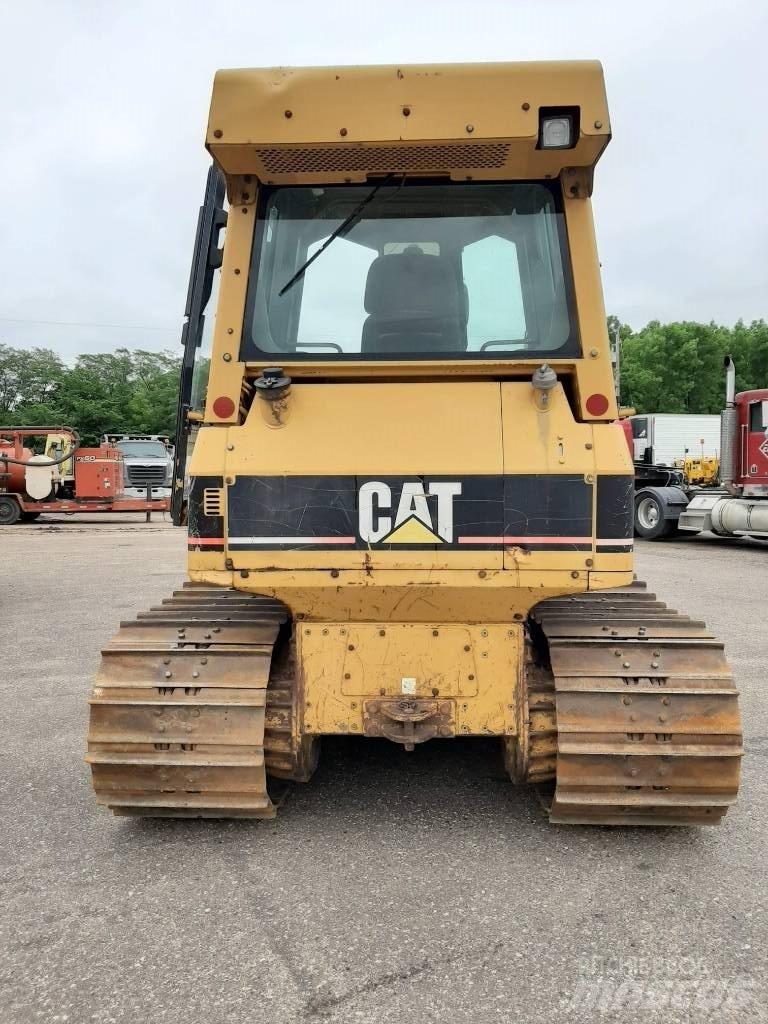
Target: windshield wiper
(340, 230)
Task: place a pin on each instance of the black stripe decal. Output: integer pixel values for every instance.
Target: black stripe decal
(205, 533)
(615, 508)
(536, 512)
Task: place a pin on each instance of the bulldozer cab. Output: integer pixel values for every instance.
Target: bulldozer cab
(410, 319)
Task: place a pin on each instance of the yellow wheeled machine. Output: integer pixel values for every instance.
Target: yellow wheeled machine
(409, 506)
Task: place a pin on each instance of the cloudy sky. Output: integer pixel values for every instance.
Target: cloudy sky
(103, 108)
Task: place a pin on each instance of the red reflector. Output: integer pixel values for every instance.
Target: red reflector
(597, 405)
(224, 407)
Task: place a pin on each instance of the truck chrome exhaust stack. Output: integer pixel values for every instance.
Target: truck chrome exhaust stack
(729, 428)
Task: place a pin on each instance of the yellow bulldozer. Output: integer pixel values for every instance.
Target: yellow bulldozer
(409, 505)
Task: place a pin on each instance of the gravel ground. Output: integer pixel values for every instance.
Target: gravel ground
(394, 887)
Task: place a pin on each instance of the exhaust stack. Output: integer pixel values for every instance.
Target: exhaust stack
(729, 429)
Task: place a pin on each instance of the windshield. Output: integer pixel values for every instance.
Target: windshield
(423, 271)
(143, 449)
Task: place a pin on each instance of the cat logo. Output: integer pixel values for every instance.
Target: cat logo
(423, 513)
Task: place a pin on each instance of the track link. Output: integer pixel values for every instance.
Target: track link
(187, 714)
(646, 712)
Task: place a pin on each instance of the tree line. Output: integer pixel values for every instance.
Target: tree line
(678, 367)
(122, 391)
(675, 367)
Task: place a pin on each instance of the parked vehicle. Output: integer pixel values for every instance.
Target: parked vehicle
(667, 501)
(148, 461)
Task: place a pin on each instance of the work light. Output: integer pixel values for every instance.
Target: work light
(557, 132)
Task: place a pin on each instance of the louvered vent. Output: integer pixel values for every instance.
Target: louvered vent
(437, 157)
(213, 501)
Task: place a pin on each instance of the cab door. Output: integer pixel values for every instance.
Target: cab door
(756, 462)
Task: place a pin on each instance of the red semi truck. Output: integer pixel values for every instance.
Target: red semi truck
(665, 504)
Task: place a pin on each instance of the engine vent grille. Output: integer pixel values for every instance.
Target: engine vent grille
(213, 501)
(437, 157)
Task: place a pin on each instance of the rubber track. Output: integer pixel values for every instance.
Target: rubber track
(184, 718)
(648, 728)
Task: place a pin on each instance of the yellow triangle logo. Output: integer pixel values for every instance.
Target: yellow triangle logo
(412, 531)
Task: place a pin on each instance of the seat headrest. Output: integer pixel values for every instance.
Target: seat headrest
(411, 284)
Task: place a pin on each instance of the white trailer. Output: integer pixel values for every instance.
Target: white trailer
(661, 438)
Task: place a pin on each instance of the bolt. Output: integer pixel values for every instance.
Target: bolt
(598, 124)
(353, 705)
(470, 129)
(484, 632)
(482, 574)
(574, 575)
(382, 691)
(350, 647)
(237, 270)
(467, 647)
(168, 675)
(230, 447)
(203, 661)
(435, 632)
(589, 561)
(406, 111)
(625, 664)
(288, 114)
(307, 632)
(594, 352)
(188, 728)
(342, 132)
(634, 772)
(325, 632)
(435, 692)
(588, 446)
(347, 675)
(484, 654)
(526, 106)
(665, 700)
(470, 677)
(616, 653)
(382, 632)
(335, 573)
(626, 700)
(230, 330)
(654, 664)
(227, 357)
(465, 728)
(657, 654)
(605, 629)
(218, 133)
(633, 718)
(195, 674)
(166, 661)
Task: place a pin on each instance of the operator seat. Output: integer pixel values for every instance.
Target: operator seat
(414, 304)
